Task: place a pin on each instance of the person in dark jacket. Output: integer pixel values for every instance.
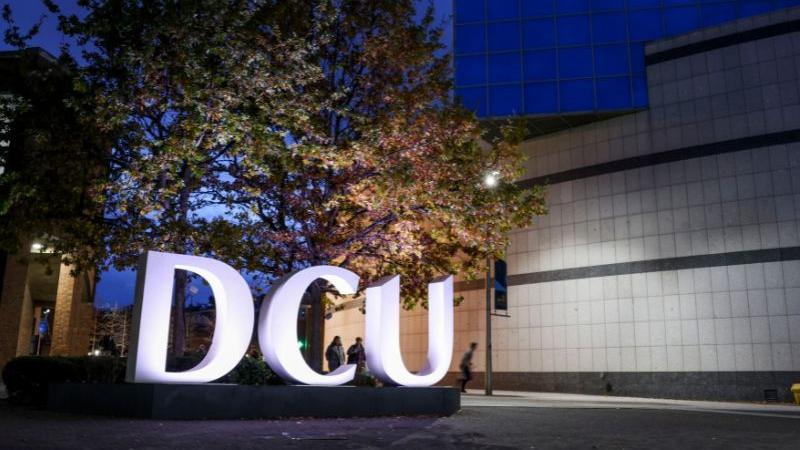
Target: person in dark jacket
(466, 366)
(335, 354)
(356, 354)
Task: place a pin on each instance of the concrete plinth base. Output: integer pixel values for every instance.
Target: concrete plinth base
(228, 401)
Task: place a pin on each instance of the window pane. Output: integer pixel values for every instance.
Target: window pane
(541, 98)
(540, 65)
(470, 70)
(575, 62)
(637, 58)
(611, 60)
(505, 100)
(717, 14)
(573, 30)
(572, 55)
(539, 33)
(577, 95)
(645, 25)
(681, 20)
(535, 8)
(470, 38)
(609, 28)
(752, 7)
(639, 92)
(503, 9)
(601, 5)
(613, 93)
(474, 99)
(504, 36)
(469, 10)
(643, 3)
(505, 67)
(572, 6)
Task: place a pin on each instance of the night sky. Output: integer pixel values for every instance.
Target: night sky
(27, 12)
(115, 287)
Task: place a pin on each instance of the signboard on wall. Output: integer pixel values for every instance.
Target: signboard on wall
(500, 286)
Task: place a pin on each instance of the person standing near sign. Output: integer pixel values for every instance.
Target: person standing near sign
(335, 354)
(356, 354)
(466, 366)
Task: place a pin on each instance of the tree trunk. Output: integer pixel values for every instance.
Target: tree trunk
(181, 276)
(316, 316)
(179, 324)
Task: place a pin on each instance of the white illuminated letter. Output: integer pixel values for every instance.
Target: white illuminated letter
(232, 330)
(382, 338)
(277, 325)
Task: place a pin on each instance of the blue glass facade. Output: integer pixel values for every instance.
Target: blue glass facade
(535, 57)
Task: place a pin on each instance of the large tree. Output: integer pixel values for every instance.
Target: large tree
(187, 86)
(278, 134)
(385, 174)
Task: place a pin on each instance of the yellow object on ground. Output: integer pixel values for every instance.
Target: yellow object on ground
(796, 392)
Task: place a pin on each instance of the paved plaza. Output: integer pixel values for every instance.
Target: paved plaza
(507, 420)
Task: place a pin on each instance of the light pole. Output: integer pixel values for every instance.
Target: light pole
(488, 377)
(490, 181)
(42, 331)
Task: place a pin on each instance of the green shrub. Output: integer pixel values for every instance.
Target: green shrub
(250, 370)
(253, 371)
(27, 377)
(104, 369)
(365, 379)
(183, 363)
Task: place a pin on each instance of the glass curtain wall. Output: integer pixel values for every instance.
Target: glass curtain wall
(546, 57)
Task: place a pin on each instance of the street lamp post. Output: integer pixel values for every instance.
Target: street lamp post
(490, 181)
(488, 376)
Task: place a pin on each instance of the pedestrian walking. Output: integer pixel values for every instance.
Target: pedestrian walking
(335, 354)
(466, 366)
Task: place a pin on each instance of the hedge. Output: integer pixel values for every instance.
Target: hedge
(27, 377)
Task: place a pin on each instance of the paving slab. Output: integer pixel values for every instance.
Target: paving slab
(497, 424)
(475, 398)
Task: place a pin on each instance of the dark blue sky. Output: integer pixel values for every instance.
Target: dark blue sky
(116, 288)
(27, 12)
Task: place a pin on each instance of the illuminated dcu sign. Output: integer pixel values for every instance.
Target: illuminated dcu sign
(277, 327)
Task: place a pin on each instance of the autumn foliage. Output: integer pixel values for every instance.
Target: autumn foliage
(278, 134)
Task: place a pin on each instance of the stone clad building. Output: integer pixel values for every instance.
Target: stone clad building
(44, 309)
(669, 262)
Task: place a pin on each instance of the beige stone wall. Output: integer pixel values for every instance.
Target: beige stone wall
(740, 317)
(469, 327)
(25, 323)
(72, 322)
(12, 301)
(73, 315)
